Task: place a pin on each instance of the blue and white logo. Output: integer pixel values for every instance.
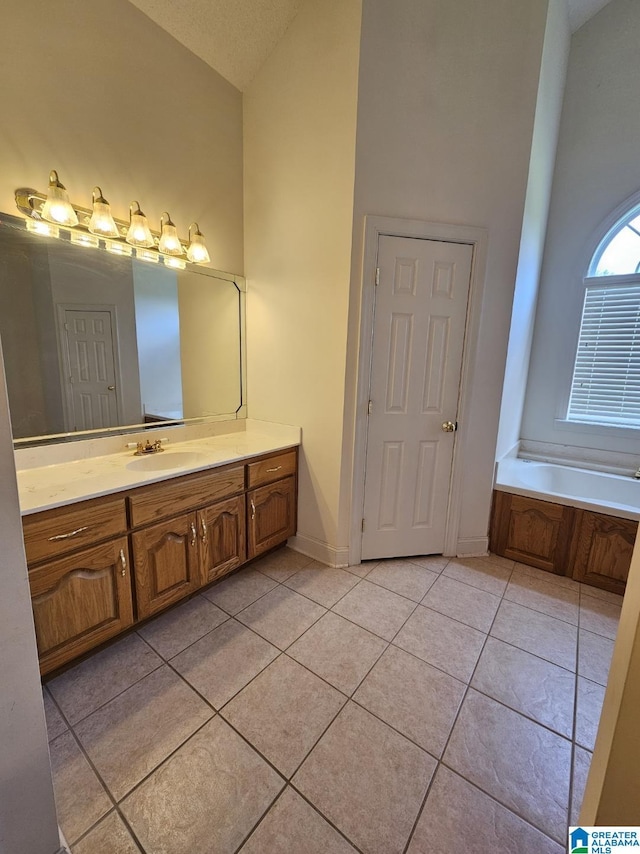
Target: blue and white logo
(579, 841)
(604, 840)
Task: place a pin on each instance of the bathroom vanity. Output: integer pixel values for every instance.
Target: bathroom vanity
(99, 565)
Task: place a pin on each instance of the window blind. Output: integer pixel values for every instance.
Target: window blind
(606, 379)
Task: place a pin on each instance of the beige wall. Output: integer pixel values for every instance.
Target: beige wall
(300, 122)
(446, 109)
(103, 95)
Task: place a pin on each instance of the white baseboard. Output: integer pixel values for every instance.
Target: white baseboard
(472, 547)
(319, 550)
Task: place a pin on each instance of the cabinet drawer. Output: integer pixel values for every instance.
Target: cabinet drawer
(171, 497)
(272, 469)
(56, 532)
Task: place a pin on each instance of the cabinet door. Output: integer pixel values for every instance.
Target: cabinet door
(81, 601)
(532, 531)
(272, 515)
(166, 563)
(223, 536)
(603, 547)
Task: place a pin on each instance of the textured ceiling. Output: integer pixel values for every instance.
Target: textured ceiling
(236, 36)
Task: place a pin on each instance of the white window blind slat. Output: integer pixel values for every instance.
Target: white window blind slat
(605, 388)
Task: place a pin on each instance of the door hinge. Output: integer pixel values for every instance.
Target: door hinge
(362, 526)
(370, 407)
(377, 275)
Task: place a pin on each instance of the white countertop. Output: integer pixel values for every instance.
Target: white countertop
(47, 486)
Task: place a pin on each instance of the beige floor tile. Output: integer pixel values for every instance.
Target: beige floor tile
(459, 817)
(407, 579)
(447, 644)
(206, 797)
(545, 636)
(413, 697)
(378, 610)
(281, 616)
(588, 709)
(581, 764)
(549, 577)
(480, 573)
(338, 651)
(281, 564)
(239, 590)
(528, 684)
(436, 563)
(544, 596)
(499, 560)
(293, 827)
(599, 617)
(80, 798)
(597, 593)
(136, 731)
(368, 780)
(362, 569)
(98, 679)
(520, 763)
(55, 722)
(110, 836)
(283, 712)
(323, 584)
(177, 629)
(462, 602)
(594, 657)
(224, 661)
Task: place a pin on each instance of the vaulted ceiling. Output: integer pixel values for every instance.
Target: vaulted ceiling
(235, 37)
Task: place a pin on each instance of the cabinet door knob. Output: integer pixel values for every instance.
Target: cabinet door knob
(123, 561)
(194, 535)
(204, 530)
(253, 509)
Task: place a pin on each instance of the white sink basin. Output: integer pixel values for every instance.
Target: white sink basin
(166, 460)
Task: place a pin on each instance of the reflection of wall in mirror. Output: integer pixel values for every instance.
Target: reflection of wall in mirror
(209, 345)
(158, 332)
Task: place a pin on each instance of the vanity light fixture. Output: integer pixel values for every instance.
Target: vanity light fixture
(169, 240)
(101, 222)
(53, 215)
(197, 251)
(57, 207)
(139, 233)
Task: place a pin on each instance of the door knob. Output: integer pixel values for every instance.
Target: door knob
(449, 426)
(111, 388)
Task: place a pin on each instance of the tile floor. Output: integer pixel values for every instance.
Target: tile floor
(423, 705)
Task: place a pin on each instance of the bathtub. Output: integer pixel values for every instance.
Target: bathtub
(611, 494)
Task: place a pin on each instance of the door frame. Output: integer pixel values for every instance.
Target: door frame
(478, 238)
(63, 354)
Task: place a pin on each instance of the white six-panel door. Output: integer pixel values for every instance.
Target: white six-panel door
(418, 339)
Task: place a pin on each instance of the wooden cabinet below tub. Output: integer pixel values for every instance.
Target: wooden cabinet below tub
(590, 547)
(98, 567)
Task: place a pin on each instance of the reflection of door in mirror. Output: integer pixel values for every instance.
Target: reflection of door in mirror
(89, 376)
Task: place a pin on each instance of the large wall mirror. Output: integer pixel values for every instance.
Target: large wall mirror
(95, 343)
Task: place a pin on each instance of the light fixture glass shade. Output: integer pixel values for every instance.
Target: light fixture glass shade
(101, 222)
(139, 233)
(197, 251)
(57, 207)
(169, 240)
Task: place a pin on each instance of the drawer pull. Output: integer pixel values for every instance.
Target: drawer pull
(194, 535)
(123, 561)
(204, 532)
(277, 468)
(70, 534)
(253, 509)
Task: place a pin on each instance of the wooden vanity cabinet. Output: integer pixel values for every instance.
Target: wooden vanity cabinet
(602, 550)
(97, 567)
(81, 600)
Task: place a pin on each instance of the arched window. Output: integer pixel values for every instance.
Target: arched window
(605, 388)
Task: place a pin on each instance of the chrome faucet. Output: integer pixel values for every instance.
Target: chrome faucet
(637, 474)
(153, 449)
